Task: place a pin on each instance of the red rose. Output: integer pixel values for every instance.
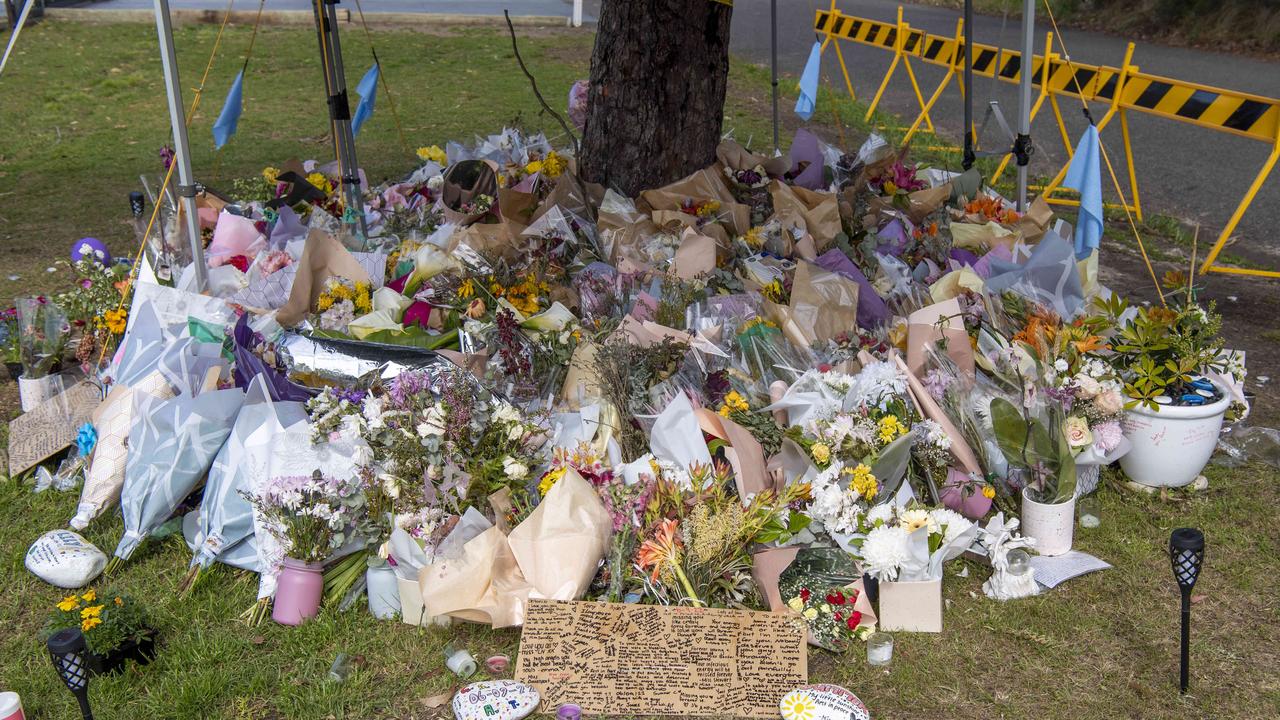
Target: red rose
(241, 262)
(838, 617)
(835, 598)
(804, 594)
(854, 618)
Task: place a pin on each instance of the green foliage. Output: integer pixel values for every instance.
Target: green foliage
(1036, 448)
(1160, 350)
(108, 619)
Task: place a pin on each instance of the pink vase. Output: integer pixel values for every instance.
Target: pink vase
(962, 494)
(298, 592)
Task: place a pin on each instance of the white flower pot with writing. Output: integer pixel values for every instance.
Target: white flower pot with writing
(1051, 524)
(34, 391)
(1172, 444)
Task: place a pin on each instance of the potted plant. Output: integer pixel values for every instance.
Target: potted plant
(311, 516)
(1041, 461)
(903, 549)
(1173, 412)
(43, 332)
(115, 627)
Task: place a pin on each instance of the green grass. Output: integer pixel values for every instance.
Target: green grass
(82, 113)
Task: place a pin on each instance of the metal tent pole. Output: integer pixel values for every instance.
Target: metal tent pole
(1022, 143)
(969, 154)
(344, 146)
(186, 189)
(773, 62)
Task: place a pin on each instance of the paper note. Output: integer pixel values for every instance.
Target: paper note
(1052, 571)
(614, 659)
(51, 426)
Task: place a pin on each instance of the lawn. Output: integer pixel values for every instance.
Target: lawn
(82, 114)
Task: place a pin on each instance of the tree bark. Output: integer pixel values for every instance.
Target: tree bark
(656, 102)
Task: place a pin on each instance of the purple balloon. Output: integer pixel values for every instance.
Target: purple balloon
(90, 248)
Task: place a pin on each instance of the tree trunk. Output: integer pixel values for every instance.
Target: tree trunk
(656, 103)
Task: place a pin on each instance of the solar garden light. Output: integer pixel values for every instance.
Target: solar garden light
(1186, 554)
(67, 649)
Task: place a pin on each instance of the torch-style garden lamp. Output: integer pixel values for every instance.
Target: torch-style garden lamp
(66, 649)
(1186, 554)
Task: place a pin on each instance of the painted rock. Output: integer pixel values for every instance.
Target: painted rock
(822, 702)
(495, 700)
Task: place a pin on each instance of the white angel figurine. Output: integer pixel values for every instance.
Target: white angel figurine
(1000, 538)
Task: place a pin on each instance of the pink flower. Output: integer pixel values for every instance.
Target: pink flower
(417, 314)
(399, 283)
(1107, 435)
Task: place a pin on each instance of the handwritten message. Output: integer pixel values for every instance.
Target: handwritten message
(51, 426)
(614, 659)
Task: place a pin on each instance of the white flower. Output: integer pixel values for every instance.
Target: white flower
(1086, 386)
(514, 469)
(391, 486)
(434, 423)
(877, 384)
(362, 455)
(1060, 365)
(435, 182)
(932, 433)
(882, 513)
(515, 433)
(373, 413)
(953, 524)
(506, 412)
(917, 518)
(884, 550)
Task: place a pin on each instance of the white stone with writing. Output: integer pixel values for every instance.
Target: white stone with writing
(822, 702)
(495, 700)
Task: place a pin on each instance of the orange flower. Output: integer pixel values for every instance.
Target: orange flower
(663, 548)
(1089, 344)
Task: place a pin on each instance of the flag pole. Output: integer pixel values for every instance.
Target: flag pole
(181, 148)
(1022, 143)
(773, 62)
(969, 154)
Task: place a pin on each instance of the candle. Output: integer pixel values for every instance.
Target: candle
(497, 664)
(568, 711)
(879, 648)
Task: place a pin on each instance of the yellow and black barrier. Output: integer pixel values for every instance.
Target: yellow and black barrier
(1120, 89)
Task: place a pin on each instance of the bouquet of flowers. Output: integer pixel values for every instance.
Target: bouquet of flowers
(311, 516)
(910, 543)
(43, 332)
(828, 611)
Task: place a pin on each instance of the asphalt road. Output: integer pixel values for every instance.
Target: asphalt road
(1184, 170)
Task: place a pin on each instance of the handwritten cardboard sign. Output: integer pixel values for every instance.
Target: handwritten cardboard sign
(50, 427)
(615, 659)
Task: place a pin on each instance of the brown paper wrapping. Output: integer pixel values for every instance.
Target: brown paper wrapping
(515, 210)
(1035, 222)
(695, 257)
(930, 324)
(920, 204)
(820, 211)
(705, 184)
(492, 240)
(323, 257)
(732, 155)
(747, 457)
(823, 305)
(553, 554)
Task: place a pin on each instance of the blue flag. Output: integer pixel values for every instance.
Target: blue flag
(1085, 177)
(809, 83)
(367, 90)
(225, 127)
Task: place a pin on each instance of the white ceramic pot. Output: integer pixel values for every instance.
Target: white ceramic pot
(1171, 445)
(1052, 525)
(34, 391)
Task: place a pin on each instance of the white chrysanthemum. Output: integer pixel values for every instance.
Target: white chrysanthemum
(877, 384)
(931, 433)
(882, 513)
(953, 523)
(506, 412)
(883, 552)
(839, 427)
(514, 469)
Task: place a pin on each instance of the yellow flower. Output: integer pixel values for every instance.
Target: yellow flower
(724, 411)
(550, 479)
(988, 492)
(89, 596)
(553, 165)
(119, 602)
(321, 182)
(433, 153)
(821, 453)
(324, 302)
(91, 612)
(754, 238)
(811, 614)
(90, 624)
(889, 187)
(271, 175)
(533, 167)
(68, 603)
(863, 482)
(467, 288)
(796, 603)
(890, 428)
(735, 401)
(115, 320)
